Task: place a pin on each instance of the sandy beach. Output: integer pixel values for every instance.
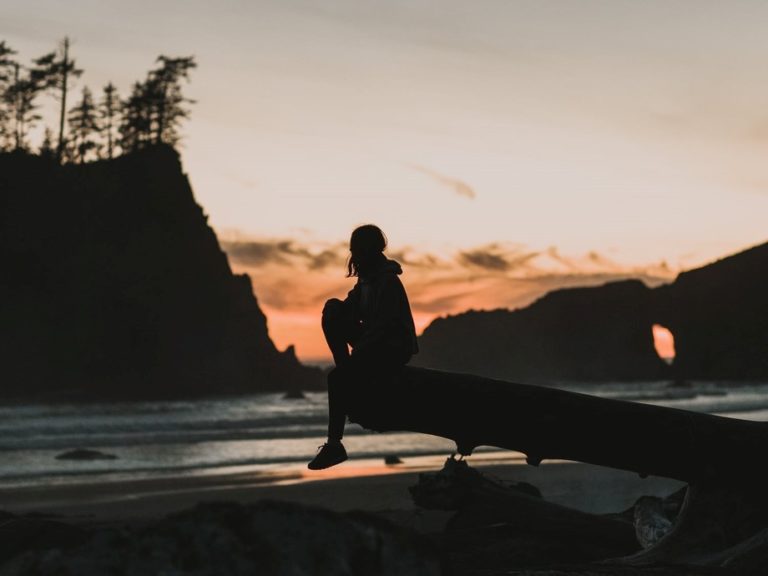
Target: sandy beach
(355, 485)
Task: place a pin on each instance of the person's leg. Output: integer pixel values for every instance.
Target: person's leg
(335, 325)
(337, 413)
(333, 452)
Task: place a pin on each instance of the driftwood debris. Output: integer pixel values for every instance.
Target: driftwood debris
(513, 520)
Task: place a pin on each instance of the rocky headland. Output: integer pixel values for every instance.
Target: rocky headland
(115, 286)
(718, 315)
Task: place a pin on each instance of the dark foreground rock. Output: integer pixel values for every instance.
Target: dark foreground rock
(496, 529)
(230, 539)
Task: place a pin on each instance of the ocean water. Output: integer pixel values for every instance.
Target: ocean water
(259, 432)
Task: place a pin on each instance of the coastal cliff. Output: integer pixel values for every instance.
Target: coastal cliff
(114, 285)
(600, 333)
(718, 315)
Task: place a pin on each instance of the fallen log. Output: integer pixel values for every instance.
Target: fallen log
(547, 423)
(724, 510)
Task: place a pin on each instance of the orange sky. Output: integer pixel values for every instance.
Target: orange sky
(293, 280)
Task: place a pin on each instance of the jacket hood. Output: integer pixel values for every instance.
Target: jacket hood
(390, 267)
(387, 266)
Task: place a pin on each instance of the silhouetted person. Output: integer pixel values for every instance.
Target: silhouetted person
(375, 320)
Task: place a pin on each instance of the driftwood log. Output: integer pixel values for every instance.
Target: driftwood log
(547, 423)
(725, 510)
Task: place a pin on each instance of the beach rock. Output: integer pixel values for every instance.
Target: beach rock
(230, 539)
(85, 454)
(392, 459)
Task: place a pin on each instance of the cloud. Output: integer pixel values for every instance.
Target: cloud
(495, 258)
(553, 253)
(458, 186)
(259, 253)
(409, 258)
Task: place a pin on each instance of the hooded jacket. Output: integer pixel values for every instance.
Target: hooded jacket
(382, 314)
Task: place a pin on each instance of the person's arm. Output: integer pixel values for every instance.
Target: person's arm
(386, 327)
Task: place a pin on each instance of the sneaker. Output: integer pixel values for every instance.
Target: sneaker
(328, 455)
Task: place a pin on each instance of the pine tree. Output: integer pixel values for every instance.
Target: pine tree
(20, 97)
(7, 68)
(155, 108)
(169, 104)
(46, 148)
(136, 124)
(55, 72)
(109, 110)
(84, 125)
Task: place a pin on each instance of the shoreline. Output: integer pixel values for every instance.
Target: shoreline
(367, 485)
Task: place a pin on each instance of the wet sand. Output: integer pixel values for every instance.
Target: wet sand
(354, 485)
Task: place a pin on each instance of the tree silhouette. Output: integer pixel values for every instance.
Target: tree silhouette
(20, 97)
(154, 110)
(109, 109)
(7, 72)
(46, 148)
(136, 125)
(84, 125)
(164, 83)
(152, 114)
(55, 71)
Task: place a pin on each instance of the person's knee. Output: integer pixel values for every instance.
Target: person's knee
(333, 307)
(332, 313)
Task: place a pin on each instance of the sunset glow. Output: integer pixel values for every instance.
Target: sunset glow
(664, 342)
(507, 148)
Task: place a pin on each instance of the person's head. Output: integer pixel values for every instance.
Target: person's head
(366, 246)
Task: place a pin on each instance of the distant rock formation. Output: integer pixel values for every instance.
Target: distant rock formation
(114, 285)
(85, 454)
(600, 333)
(718, 315)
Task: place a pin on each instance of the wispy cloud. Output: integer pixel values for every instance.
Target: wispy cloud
(495, 258)
(258, 253)
(457, 186)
